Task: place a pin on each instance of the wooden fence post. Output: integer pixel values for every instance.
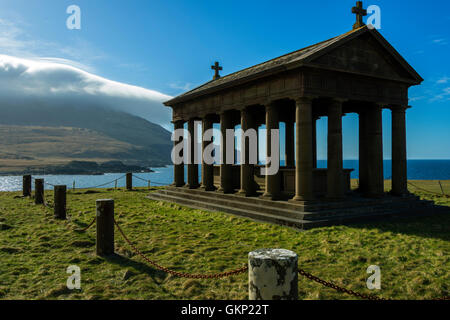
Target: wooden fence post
(105, 227)
(39, 191)
(26, 185)
(272, 275)
(60, 202)
(129, 181)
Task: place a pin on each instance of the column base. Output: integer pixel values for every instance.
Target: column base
(244, 193)
(269, 196)
(225, 191)
(192, 186)
(335, 198)
(177, 185)
(302, 198)
(403, 194)
(373, 195)
(208, 188)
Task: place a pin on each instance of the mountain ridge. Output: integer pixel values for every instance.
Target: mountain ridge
(43, 135)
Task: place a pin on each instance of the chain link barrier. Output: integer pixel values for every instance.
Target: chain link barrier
(150, 181)
(176, 273)
(337, 288)
(239, 270)
(351, 292)
(91, 187)
(428, 191)
(88, 227)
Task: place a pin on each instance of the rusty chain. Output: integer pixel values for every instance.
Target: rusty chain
(240, 270)
(86, 228)
(429, 191)
(348, 291)
(336, 287)
(176, 273)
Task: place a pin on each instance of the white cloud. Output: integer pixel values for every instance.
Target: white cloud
(440, 41)
(59, 82)
(443, 80)
(181, 86)
(443, 95)
(17, 42)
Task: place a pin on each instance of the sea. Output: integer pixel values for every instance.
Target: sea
(417, 170)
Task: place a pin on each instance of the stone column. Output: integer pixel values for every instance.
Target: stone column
(304, 153)
(247, 180)
(272, 275)
(226, 170)
(289, 144)
(314, 141)
(207, 169)
(272, 181)
(192, 165)
(363, 180)
(178, 169)
(399, 167)
(335, 177)
(375, 187)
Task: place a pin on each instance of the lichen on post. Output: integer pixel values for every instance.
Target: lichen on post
(273, 274)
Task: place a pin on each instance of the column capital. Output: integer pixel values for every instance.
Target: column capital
(303, 99)
(339, 101)
(208, 116)
(398, 108)
(270, 104)
(178, 121)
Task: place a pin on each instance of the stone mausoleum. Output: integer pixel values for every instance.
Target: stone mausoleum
(356, 72)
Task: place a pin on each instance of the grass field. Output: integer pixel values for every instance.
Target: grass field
(35, 251)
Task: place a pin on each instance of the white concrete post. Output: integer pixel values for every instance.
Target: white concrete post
(273, 275)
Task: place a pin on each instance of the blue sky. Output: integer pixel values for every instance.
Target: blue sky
(168, 46)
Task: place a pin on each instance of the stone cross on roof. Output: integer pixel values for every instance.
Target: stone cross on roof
(360, 13)
(217, 68)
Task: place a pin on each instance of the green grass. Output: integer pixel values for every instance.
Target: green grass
(35, 251)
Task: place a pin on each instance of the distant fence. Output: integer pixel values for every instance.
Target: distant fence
(128, 183)
(270, 271)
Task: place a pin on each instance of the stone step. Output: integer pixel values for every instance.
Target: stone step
(354, 202)
(296, 223)
(254, 200)
(310, 220)
(241, 203)
(276, 207)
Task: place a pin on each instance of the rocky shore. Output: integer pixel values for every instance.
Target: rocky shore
(83, 168)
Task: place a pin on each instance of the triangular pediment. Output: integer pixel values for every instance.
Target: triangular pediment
(367, 53)
(362, 51)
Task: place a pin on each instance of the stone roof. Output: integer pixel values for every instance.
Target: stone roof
(267, 67)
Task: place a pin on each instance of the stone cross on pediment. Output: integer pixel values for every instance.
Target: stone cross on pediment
(360, 13)
(216, 67)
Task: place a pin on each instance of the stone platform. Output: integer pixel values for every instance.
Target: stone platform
(301, 215)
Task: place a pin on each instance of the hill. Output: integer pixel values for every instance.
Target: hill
(37, 136)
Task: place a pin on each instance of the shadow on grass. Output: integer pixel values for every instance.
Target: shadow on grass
(426, 225)
(157, 275)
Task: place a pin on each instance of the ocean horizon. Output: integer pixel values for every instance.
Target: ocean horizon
(417, 170)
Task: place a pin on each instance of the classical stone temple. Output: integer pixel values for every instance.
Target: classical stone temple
(356, 72)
